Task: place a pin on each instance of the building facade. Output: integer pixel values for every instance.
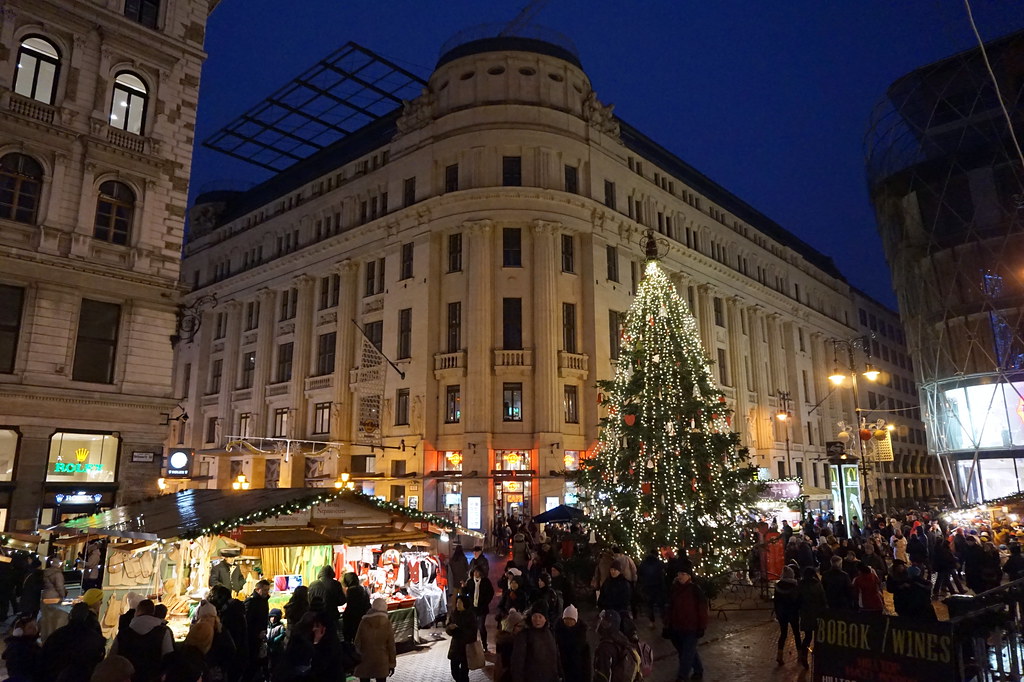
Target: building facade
(948, 189)
(97, 116)
(486, 239)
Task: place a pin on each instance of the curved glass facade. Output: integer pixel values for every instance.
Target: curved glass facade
(948, 189)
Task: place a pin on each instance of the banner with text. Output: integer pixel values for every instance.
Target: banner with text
(852, 647)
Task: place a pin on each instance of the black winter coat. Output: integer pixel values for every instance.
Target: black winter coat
(486, 594)
(77, 647)
(462, 627)
(574, 651)
(787, 601)
(838, 589)
(357, 605)
(616, 594)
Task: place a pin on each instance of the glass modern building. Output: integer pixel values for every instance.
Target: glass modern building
(946, 181)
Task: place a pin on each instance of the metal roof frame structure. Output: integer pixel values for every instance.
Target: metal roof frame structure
(338, 95)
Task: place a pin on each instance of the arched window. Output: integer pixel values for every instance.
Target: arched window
(128, 110)
(37, 70)
(21, 182)
(114, 212)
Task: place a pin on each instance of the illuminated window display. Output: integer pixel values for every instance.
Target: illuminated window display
(82, 458)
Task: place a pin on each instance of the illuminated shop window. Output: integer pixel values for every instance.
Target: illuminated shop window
(82, 458)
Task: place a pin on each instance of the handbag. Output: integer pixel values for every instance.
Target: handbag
(475, 656)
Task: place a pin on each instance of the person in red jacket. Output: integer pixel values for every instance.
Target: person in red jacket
(686, 619)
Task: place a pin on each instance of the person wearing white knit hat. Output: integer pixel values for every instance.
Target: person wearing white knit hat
(570, 613)
(573, 647)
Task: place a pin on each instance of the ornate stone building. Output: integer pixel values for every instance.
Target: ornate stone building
(97, 116)
(485, 238)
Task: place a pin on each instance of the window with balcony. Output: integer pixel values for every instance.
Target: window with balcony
(38, 69)
(512, 402)
(569, 327)
(512, 323)
(130, 103)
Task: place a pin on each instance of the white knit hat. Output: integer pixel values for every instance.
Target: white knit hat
(571, 612)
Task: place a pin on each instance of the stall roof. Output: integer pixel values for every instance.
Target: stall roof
(194, 513)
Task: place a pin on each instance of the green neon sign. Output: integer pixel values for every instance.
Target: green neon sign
(75, 468)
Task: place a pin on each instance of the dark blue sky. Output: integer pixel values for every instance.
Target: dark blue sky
(769, 99)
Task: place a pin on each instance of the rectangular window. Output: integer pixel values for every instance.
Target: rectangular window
(375, 333)
(404, 333)
(512, 323)
(330, 292)
(402, 407)
(810, 434)
(245, 424)
(570, 399)
(614, 333)
(512, 247)
(186, 379)
(568, 253)
(281, 422)
(12, 300)
(799, 469)
(612, 253)
(325, 349)
(290, 303)
(407, 255)
(634, 277)
(216, 371)
(211, 430)
(252, 315)
(782, 469)
(145, 12)
(451, 178)
(569, 327)
(322, 418)
(248, 369)
(409, 191)
(800, 339)
(723, 368)
(375, 277)
(512, 402)
(221, 326)
(572, 179)
(452, 404)
(285, 352)
(455, 252)
(719, 313)
(454, 326)
(511, 171)
(96, 344)
(609, 194)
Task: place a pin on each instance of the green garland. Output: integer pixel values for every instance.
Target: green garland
(384, 505)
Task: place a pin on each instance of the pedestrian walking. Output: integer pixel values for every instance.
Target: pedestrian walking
(534, 652)
(686, 619)
(328, 592)
(573, 647)
(615, 659)
(75, 649)
(480, 561)
(868, 589)
(787, 611)
(357, 605)
(375, 642)
(458, 568)
(838, 586)
(813, 604)
(651, 583)
(479, 592)
(504, 640)
(616, 592)
(22, 654)
(462, 627)
(257, 613)
(548, 598)
(144, 642)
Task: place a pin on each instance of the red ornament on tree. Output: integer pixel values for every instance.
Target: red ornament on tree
(645, 488)
(630, 419)
(714, 415)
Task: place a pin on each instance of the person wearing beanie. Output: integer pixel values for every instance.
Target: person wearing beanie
(686, 619)
(914, 599)
(479, 592)
(534, 653)
(616, 592)
(613, 656)
(78, 646)
(573, 647)
(375, 642)
(93, 598)
(787, 610)
(357, 605)
(512, 625)
(561, 583)
(549, 598)
(275, 637)
(113, 668)
(257, 613)
(813, 603)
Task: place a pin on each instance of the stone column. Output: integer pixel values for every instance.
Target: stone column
(302, 349)
(547, 329)
(478, 406)
(229, 375)
(264, 351)
(737, 352)
(762, 413)
(706, 319)
(345, 360)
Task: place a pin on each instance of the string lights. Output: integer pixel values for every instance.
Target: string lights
(668, 469)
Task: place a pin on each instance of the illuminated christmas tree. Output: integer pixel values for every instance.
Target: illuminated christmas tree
(668, 468)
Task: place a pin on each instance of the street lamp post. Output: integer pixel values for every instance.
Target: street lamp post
(784, 415)
(838, 378)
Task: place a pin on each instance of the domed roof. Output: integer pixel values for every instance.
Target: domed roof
(508, 44)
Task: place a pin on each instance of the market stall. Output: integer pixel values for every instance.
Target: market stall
(172, 548)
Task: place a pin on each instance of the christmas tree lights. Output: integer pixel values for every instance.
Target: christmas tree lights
(668, 470)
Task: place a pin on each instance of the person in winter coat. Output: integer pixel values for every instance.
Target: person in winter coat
(945, 564)
(899, 547)
(787, 611)
(686, 619)
(480, 561)
(614, 660)
(227, 574)
(914, 598)
(357, 605)
(548, 597)
(22, 654)
(616, 593)
(478, 593)
(563, 584)
(813, 603)
(327, 663)
(838, 586)
(297, 607)
(214, 642)
(53, 592)
(375, 641)
(535, 653)
(462, 627)
(458, 568)
(573, 647)
(868, 589)
(650, 575)
(296, 661)
(91, 567)
(275, 637)
(603, 570)
(257, 613)
(328, 590)
(232, 617)
(74, 649)
(515, 597)
(31, 589)
(144, 643)
(520, 549)
(504, 640)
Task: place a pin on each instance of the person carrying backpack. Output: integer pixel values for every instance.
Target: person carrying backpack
(615, 659)
(686, 619)
(144, 642)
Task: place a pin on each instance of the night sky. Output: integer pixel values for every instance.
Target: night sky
(772, 100)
